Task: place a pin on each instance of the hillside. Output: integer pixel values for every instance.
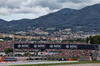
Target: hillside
(86, 19)
(2, 22)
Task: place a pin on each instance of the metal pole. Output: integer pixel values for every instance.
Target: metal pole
(13, 50)
(13, 46)
(99, 51)
(27, 53)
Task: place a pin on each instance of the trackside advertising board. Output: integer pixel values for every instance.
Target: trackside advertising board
(10, 59)
(56, 46)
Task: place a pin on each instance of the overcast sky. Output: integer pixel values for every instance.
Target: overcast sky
(19, 9)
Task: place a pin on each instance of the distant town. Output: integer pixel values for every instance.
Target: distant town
(41, 36)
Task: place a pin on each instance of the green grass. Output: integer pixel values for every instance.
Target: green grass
(80, 62)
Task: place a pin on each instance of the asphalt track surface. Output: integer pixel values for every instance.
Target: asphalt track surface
(80, 65)
(33, 62)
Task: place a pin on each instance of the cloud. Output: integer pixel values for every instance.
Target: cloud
(75, 1)
(51, 4)
(11, 3)
(39, 7)
(78, 4)
(26, 6)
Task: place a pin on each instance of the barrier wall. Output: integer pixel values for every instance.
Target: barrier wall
(3, 59)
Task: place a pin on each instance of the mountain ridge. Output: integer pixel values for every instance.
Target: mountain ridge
(88, 19)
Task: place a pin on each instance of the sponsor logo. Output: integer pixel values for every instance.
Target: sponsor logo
(67, 46)
(19, 46)
(55, 46)
(35, 46)
(73, 46)
(41, 46)
(25, 46)
(51, 46)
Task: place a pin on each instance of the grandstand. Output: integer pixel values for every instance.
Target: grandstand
(51, 53)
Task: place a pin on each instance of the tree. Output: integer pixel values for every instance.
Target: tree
(80, 40)
(23, 39)
(8, 50)
(34, 39)
(26, 54)
(91, 39)
(95, 39)
(7, 38)
(71, 40)
(87, 40)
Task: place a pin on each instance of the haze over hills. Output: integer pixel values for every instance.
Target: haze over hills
(86, 19)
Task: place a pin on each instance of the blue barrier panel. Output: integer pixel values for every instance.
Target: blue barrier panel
(10, 59)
